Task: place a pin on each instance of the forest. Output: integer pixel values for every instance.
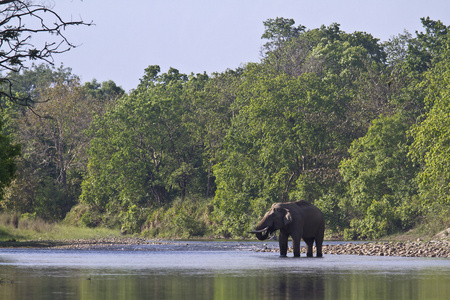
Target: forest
(359, 127)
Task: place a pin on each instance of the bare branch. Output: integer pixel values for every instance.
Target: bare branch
(6, 2)
(19, 20)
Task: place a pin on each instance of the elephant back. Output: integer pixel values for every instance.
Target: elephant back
(303, 203)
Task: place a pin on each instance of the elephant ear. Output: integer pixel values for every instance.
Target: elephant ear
(287, 219)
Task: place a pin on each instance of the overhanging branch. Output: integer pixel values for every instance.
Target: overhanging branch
(19, 20)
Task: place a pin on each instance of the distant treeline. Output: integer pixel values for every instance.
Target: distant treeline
(359, 127)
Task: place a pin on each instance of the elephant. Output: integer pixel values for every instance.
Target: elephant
(299, 220)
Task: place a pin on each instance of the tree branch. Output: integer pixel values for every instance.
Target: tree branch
(19, 20)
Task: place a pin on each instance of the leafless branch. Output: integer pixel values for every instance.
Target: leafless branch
(19, 20)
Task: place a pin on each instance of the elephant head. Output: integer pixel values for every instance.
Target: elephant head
(276, 218)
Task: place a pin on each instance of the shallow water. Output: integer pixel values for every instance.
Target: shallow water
(215, 270)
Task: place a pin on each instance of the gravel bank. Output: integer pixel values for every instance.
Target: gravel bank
(405, 249)
(103, 243)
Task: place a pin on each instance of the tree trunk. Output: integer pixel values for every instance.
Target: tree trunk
(208, 184)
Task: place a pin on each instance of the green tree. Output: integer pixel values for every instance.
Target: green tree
(280, 146)
(8, 154)
(53, 140)
(431, 143)
(104, 94)
(382, 187)
(144, 152)
(278, 31)
(423, 50)
(297, 113)
(380, 178)
(212, 110)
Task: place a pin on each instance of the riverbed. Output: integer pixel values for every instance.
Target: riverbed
(215, 270)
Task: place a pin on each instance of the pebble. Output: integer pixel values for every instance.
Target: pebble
(103, 243)
(403, 249)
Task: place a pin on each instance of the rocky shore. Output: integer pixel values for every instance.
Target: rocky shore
(103, 243)
(438, 248)
(404, 249)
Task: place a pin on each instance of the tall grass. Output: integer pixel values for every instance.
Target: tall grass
(14, 227)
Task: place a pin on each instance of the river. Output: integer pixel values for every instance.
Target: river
(215, 270)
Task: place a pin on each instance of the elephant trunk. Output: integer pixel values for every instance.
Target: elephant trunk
(261, 234)
(262, 237)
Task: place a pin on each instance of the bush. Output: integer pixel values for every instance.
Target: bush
(180, 219)
(85, 215)
(51, 202)
(132, 220)
(383, 217)
(329, 205)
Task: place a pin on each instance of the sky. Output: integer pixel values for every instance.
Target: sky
(196, 36)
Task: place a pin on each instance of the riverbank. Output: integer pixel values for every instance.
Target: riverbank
(81, 244)
(403, 249)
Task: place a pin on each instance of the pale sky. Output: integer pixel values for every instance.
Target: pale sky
(206, 35)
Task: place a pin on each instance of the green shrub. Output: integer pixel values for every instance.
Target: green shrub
(180, 219)
(383, 217)
(132, 220)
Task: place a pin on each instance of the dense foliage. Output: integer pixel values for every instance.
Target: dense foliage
(356, 126)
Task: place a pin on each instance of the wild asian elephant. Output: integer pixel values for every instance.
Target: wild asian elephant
(299, 220)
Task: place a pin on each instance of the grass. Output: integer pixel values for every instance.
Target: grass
(420, 232)
(28, 231)
(17, 229)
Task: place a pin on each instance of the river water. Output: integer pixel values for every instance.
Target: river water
(215, 270)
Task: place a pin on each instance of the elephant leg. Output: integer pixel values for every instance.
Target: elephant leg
(283, 242)
(296, 244)
(319, 248)
(319, 243)
(309, 246)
